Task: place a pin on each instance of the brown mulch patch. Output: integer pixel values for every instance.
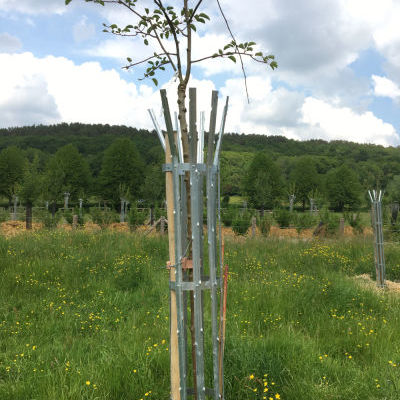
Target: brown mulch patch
(366, 281)
(119, 227)
(12, 228)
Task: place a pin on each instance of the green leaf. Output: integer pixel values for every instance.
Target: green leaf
(146, 42)
(155, 81)
(67, 2)
(193, 27)
(232, 58)
(259, 54)
(129, 59)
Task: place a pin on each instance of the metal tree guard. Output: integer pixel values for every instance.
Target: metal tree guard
(66, 198)
(292, 198)
(376, 211)
(181, 267)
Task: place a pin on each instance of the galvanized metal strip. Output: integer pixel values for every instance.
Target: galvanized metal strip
(221, 272)
(211, 130)
(190, 286)
(221, 132)
(212, 260)
(183, 167)
(178, 279)
(195, 177)
(192, 125)
(168, 121)
(157, 127)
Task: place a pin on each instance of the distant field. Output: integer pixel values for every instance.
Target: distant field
(85, 316)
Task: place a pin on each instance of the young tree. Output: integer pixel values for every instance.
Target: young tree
(66, 171)
(343, 188)
(305, 178)
(393, 188)
(30, 189)
(122, 165)
(165, 25)
(12, 166)
(169, 29)
(263, 183)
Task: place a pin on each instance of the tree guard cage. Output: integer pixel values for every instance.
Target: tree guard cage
(196, 373)
(376, 213)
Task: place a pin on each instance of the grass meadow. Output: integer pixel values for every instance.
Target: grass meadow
(85, 316)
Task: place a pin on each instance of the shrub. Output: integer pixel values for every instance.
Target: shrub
(44, 216)
(331, 221)
(103, 217)
(354, 221)
(241, 223)
(136, 218)
(4, 215)
(227, 216)
(265, 225)
(282, 217)
(304, 221)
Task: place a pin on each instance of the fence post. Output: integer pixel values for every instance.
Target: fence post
(74, 222)
(292, 198)
(376, 212)
(80, 207)
(253, 227)
(66, 198)
(14, 214)
(162, 225)
(341, 226)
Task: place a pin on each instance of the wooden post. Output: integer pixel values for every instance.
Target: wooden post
(253, 227)
(174, 350)
(74, 221)
(341, 226)
(162, 225)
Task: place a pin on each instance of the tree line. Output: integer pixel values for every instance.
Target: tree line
(105, 163)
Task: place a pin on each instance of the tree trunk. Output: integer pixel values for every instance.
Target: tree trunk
(185, 145)
(28, 216)
(53, 209)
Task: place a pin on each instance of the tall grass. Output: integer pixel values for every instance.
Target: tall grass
(85, 316)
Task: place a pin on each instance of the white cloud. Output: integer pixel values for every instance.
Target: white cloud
(329, 122)
(55, 89)
(384, 87)
(33, 7)
(63, 91)
(9, 43)
(83, 30)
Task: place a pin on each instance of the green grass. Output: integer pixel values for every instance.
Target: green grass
(85, 316)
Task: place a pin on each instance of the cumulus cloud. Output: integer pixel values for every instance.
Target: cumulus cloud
(55, 89)
(329, 122)
(9, 43)
(63, 91)
(384, 87)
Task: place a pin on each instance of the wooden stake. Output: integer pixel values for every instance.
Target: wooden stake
(174, 350)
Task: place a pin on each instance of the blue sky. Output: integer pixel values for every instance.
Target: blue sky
(338, 75)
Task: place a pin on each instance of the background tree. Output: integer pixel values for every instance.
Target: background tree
(343, 188)
(12, 167)
(30, 189)
(66, 171)
(122, 165)
(393, 189)
(305, 178)
(263, 183)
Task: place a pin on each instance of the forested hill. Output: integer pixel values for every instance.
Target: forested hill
(93, 139)
(319, 160)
